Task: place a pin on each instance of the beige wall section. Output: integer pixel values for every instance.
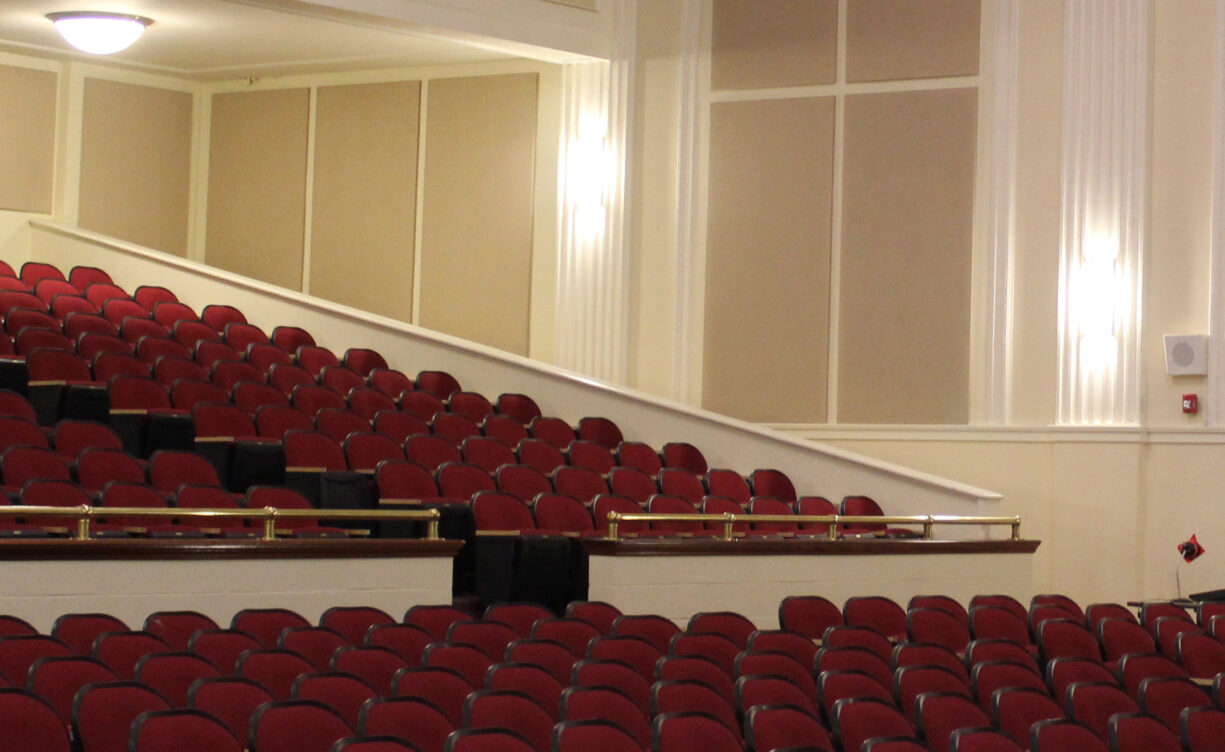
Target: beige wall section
(900, 39)
(908, 204)
(365, 196)
(257, 184)
(762, 44)
(767, 259)
(476, 244)
(136, 163)
(1176, 287)
(27, 138)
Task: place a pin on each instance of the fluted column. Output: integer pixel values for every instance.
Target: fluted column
(1104, 184)
(592, 330)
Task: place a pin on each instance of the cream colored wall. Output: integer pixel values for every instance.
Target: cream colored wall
(27, 133)
(136, 163)
(766, 353)
(1110, 507)
(1177, 277)
(907, 216)
(363, 212)
(476, 236)
(257, 184)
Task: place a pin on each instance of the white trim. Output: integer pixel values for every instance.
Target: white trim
(834, 325)
(1214, 409)
(1001, 434)
(308, 198)
(67, 200)
(688, 159)
(991, 322)
(419, 208)
(846, 88)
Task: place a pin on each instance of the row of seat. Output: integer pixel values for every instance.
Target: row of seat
(212, 380)
(625, 669)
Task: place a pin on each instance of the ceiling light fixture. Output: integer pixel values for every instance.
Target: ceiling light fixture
(98, 32)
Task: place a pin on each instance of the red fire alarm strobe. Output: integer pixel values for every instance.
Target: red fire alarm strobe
(1190, 403)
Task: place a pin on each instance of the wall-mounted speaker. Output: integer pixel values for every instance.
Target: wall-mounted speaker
(1186, 354)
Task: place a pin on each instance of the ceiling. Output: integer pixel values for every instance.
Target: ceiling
(217, 40)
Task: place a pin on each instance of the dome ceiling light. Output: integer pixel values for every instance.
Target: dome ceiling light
(98, 32)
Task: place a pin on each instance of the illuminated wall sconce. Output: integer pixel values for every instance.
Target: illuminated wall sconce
(98, 32)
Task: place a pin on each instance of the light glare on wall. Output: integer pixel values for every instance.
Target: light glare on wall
(97, 32)
(588, 166)
(1100, 300)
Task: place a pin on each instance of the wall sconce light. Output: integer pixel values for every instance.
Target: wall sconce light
(589, 166)
(97, 32)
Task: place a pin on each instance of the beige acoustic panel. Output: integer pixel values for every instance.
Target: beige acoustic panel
(27, 139)
(767, 259)
(907, 216)
(365, 196)
(257, 184)
(889, 40)
(136, 164)
(476, 234)
(761, 44)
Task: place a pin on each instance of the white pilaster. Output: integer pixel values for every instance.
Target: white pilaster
(592, 335)
(1104, 184)
(1215, 404)
(991, 324)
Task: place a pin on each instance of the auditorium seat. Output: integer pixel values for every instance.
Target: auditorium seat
(340, 379)
(314, 359)
(222, 646)
(590, 455)
(443, 688)
(296, 726)
(410, 719)
(83, 276)
(563, 514)
(507, 430)
(343, 692)
(369, 403)
(102, 714)
(602, 431)
(241, 336)
(150, 295)
(540, 455)
(421, 404)
(57, 679)
(471, 405)
(405, 640)
(640, 456)
(1062, 672)
(1093, 704)
(121, 650)
(274, 669)
(467, 661)
(618, 676)
(631, 482)
(178, 627)
(518, 406)
(171, 674)
(452, 427)
(290, 338)
(556, 431)
(180, 730)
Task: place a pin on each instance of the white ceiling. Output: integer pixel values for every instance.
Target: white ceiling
(216, 40)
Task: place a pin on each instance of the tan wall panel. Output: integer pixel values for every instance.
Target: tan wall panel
(476, 245)
(136, 164)
(758, 44)
(908, 205)
(257, 184)
(767, 259)
(365, 196)
(901, 39)
(27, 139)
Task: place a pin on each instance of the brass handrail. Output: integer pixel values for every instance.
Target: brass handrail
(84, 515)
(832, 521)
